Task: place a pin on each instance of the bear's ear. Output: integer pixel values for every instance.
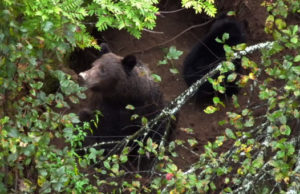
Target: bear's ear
(128, 63)
(104, 48)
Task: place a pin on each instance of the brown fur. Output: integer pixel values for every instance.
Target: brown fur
(115, 82)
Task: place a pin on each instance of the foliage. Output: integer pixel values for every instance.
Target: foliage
(35, 36)
(133, 15)
(38, 143)
(201, 5)
(171, 54)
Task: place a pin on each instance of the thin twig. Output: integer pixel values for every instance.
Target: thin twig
(170, 40)
(151, 31)
(173, 11)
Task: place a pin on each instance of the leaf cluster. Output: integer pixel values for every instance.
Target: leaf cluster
(35, 37)
(132, 15)
(206, 6)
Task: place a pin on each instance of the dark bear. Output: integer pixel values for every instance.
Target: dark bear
(114, 83)
(207, 53)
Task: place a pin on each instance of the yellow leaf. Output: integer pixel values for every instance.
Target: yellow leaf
(240, 171)
(252, 76)
(287, 180)
(41, 181)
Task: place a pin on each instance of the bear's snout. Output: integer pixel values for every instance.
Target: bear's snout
(83, 75)
(82, 78)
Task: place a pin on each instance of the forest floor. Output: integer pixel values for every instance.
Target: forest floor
(169, 25)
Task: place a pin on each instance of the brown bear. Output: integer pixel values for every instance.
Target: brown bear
(116, 82)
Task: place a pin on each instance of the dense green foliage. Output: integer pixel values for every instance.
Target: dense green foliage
(132, 15)
(206, 6)
(35, 36)
(37, 141)
(35, 39)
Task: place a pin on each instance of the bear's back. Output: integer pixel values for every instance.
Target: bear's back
(207, 53)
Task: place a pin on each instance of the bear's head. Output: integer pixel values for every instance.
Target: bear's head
(228, 24)
(107, 71)
(120, 79)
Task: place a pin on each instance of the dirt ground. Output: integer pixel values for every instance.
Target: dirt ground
(169, 25)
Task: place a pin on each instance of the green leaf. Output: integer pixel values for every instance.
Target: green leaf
(74, 99)
(174, 53)
(245, 112)
(123, 158)
(134, 116)
(4, 120)
(37, 85)
(212, 186)
(290, 149)
(13, 132)
(29, 150)
(297, 59)
(216, 101)
(130, 107)
(225, 37)
(12, 157)
(141, 151)
(47, 26)
(223, 122)
(156, 77)
(115, 168)
(192, 142)
(240, 47)
(280, 154)
(232, 77)
(296, 70)
(172, 167)
(227, 65)
(228, 190)
(229, 133)
(162, 62)
(235, 101)
(144, 121)
(231, 13)
(295, 29)
(294, 40)
(106, 164)
(174, 71)
(269, 24)
(280, 23)
(250, 122)
(276, 35)
(221, 89)
(218, 40)
(285, 130)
